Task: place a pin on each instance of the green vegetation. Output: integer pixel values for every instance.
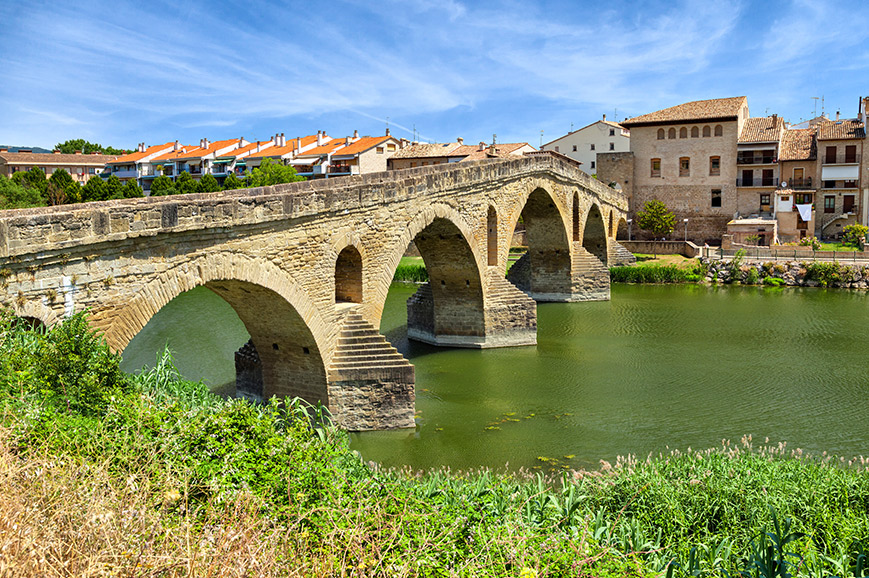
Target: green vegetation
(271, 173)
(411, 270)
(854, 235)
(656, 218)
(71, 146)
(152, 475)
(653, 273)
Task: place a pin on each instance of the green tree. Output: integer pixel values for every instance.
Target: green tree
(14, 195)
(855, 235)
(61, 181)
(185, 184)
(656, 218)
(132, 190)
(35, 179)
(79, 144)
(271, 173)
(93, 190)
(114, 188)
(232, 182)
(162, 186)
(208, 184)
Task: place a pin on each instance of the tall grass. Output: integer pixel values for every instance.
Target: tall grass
(411, 274)
(652, 273)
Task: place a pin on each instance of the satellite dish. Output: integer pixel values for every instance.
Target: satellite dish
(784, 184)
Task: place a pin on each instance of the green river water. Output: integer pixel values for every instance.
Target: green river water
(657, 367)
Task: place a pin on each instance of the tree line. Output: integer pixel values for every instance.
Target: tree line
(33, 189)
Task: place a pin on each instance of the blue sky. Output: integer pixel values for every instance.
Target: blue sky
(120, 72)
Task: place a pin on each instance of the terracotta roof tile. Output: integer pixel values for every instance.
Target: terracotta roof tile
(762, 129)
(798, 145)
(324, 149)
(362, 145)
(199, 152)
(247, 150)
(473, 152)
(841, 129)
(133, 157)
(174, 155)
(39, 159)
(426, 151)
(717, 108)
(273, 152)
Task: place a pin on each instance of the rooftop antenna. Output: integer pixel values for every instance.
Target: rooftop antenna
(571, 127)
(822, 105)
(387, 124)
(616, 114)
(815, 113)
(541, 139)
(494, 138)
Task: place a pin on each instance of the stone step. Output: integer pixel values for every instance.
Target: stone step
(362, 347)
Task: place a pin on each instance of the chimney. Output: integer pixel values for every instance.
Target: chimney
(141, 147)
(492, 150)
(283, 140)
(461, 141)
(774, 118)
(837, 115)
(604, 118)
(482, 146)
(403, 143)
(298, 143)
(356, 133)
(241, 141)
(176, 146)
(257, 146)
(346, 141)
(319, 138)
(387, 132)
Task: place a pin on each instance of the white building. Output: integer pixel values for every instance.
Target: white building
(582, 145)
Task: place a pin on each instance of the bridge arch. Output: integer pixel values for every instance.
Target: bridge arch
(285, 326)
(35, 313)
(544, 272)
(594, 235)
(449, 309)
(348, 275)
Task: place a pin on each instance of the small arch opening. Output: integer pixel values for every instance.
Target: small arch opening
(707, 131)
(660, 134)
(683, 132)
(695, 132)
(348, 276)
(610, 228)
(671, 134)
(492, 228)
(719, 130)
(576, 217)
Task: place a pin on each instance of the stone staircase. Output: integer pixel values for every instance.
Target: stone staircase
(591, 278)
(618, 255)
(510, 313)
(502, 294)
(362, 349)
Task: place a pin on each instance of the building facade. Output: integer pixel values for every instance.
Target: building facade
(81, 167)
(583, 145)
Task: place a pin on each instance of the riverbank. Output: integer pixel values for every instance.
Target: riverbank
(153, 475)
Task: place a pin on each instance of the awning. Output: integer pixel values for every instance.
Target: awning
(304, 161)
(848, 173)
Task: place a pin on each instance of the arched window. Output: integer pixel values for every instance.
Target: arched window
(671, 133)
(575, 216)
(695, 132)
(492, 227)
(707, 131)
(719, 130)
(660, 134)
(683, 132)
(348, 276)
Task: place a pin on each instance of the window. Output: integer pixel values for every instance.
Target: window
(683, 132)
(695, 132)
(671, 133)
(660, 134)
(612, 146)
(684, 167)
(380, 150)
(92, 171)
(656, 167)
(592, 164)
(829, 204)
(803, 198)
(716, 197)
(848, 204)
(707, 131)
(574, 148)
(714, 166)
(556, 149)
(851, 153)
(829, 184)
(719, 130)
(390, 147)
(764, 200)
(592, 146)
(850, 184)
(612, 132)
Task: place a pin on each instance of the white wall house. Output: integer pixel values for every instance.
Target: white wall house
(582, 145)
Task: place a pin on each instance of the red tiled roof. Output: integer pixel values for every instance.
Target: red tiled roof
(363, 144)
(717, 108)
(473, 153)
(324, 149)
(133, 157)
(175, 155)
(199, 152)
(242, 151)
(762, 129)
(841, 130)
(798, 145)
(426, 151)
(273, 152)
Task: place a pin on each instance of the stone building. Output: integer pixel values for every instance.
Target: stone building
(685, 156)
(584, 144)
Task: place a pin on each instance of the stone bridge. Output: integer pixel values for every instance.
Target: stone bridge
(307, 267)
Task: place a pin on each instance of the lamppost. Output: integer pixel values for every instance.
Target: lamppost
(629, 228)
(686, 229)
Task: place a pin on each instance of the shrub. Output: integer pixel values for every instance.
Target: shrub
(826, 274)
(649, 274)
(751, 276)
(854, 235)
(810, 242)
(773, 281)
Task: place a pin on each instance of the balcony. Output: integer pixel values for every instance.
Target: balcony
(756, 160)
(842, 159)
(758, 182)
(800, 184)
(121, 174)
(343, 170)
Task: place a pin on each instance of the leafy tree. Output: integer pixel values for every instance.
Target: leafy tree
(656, 218)
(93, 190)
(13, 195)
(208, 184)
(232, 182)
(79, 144)
(61, 181)
(132, 190)
(855, 235)
(114, 188)
(271, 173)
(162, 186)
(35, 179)
(185, 184)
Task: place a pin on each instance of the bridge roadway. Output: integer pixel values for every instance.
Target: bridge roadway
(307, 267)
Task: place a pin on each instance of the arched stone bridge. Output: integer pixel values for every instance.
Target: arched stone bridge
(307, 267)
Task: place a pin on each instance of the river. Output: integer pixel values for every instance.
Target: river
(657, 367)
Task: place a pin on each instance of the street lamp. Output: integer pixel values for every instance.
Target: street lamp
(686, 229)
(629, 228)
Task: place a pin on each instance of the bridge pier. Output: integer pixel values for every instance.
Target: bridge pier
(510, 317)
(545, 277)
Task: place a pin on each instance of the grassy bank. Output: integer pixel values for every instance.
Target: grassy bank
(103, 473)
